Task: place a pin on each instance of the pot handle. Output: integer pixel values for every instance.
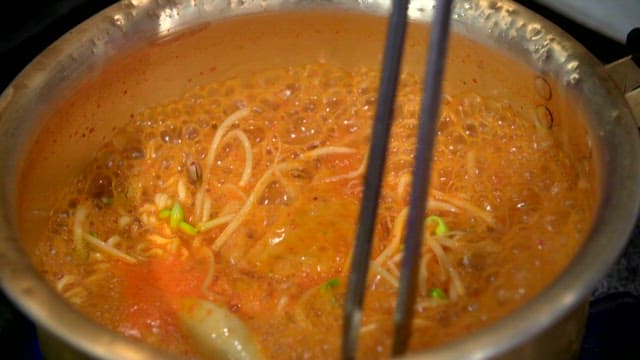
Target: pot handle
(626, 74)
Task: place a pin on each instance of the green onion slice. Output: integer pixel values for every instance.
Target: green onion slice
(164, 214)
(437, 293)
(176, 216)
(187, 228)
(441, 226)
(329, 285)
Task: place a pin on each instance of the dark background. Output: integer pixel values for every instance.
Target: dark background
(613, 330)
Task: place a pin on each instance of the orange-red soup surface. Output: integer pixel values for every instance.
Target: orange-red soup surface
(241, 198)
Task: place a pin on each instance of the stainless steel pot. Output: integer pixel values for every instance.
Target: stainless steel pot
(521, 57)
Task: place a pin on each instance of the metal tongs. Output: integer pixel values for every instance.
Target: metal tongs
(421, 173)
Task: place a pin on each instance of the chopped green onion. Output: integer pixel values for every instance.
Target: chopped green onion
(437, 293)
(187, 228)
(106, 200)
(330, 284)
(164, 213)
(176, 216)
(94, 234)
(441, 226)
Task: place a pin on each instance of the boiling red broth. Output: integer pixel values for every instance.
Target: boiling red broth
(245, 193)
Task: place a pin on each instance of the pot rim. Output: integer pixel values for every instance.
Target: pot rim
(548, 49)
